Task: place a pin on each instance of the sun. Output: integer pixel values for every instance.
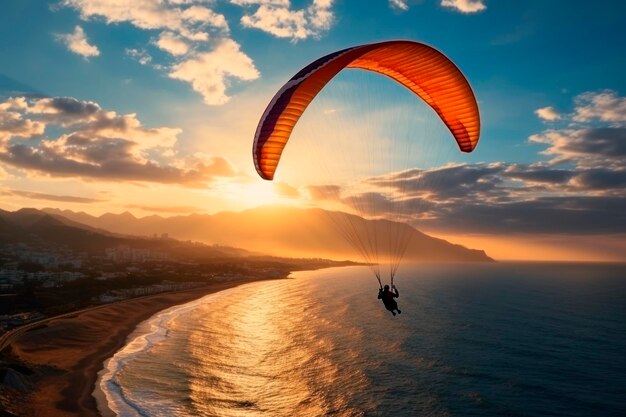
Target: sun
(256, 192)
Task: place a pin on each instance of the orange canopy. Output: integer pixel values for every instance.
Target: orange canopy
(420, 68)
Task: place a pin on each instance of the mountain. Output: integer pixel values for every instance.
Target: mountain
(45, 230)
(283, 231)
(37, 227)
(26, 217)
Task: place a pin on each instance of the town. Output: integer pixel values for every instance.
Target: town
(39, 281)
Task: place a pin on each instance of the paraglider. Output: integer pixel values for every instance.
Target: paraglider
(387, 296)
(423, 70)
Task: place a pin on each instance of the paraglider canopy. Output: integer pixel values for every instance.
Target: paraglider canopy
(420, 68)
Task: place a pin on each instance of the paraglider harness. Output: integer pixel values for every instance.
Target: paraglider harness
(390, 303)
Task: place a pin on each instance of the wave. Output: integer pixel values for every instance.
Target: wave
(112, 398)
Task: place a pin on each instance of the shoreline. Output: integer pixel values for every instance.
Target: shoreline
(68, 354)
(143, 330)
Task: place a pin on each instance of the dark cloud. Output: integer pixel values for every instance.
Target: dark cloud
(98, 150)
(91, 142)
(69, 105)
(371, 204)
(48, 162)
(601, 179)
(586, 147)
(324, 192)
(564, 215)
(608, 142)
(501, 198)
(52, 197)
(456, 181)
(166, 209)
(579, 187)
(535, 174)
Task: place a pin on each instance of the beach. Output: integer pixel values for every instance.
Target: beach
(67, 353)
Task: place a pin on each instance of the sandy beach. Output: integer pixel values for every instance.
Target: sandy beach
(67, 353)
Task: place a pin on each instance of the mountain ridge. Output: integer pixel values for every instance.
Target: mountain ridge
(280, 231)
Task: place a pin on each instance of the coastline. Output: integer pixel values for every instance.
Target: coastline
(67, 354)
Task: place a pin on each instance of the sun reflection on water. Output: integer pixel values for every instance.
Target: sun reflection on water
(277, 363)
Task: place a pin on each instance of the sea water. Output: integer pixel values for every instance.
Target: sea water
(510, 339)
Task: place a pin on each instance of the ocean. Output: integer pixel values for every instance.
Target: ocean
(501, 339)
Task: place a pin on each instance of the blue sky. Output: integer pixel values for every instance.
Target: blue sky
(188, 79)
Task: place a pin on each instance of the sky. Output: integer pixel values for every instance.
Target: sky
(151, 106)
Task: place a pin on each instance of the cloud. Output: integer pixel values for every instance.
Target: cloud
(13, 124)
(465, 6)
(539, 174)
(74, 138)
(196, 14)
(548, 113)
(142, 14)
(604, 106)
(77, 42)
(166, 209)
(188, 19)
(172, 43)
(448, 182)
(399, 5)
(579, 187)
(140, 55)
(585, 147)
(324, 192)
(601, 179)
(512, 199)
(278, 19)
(286, 190)
(196, 40)
(52, 197)
(209, 72)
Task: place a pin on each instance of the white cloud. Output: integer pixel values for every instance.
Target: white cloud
(548, 113)
(465, 6)
(278, 19)
(77, 43)
(604, 106)
(202, 14)
(281, 3)
(182, 18)
(399, 4)
(209, 72)
(172, 43)
(144, 14)
(195, 37)
(141, 55)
